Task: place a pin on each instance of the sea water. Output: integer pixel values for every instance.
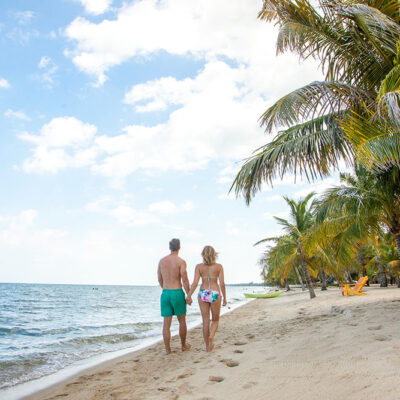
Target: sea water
(46, 328)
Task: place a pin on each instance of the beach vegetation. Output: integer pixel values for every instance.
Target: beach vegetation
(349, 121)
(289, 251)
(353, 114)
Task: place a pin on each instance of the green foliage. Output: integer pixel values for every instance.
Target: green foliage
(354, 115)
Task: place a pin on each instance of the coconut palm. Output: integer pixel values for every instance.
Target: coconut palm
(321, 123)
(290, 247)
(365, 200)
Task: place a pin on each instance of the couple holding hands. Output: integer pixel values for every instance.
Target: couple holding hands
(172, 275)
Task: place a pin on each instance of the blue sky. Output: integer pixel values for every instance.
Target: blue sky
(123, 125)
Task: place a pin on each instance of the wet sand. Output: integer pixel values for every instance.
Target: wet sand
(289, 347)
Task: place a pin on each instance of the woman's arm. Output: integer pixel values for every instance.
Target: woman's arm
(194, 284)
(222, 285)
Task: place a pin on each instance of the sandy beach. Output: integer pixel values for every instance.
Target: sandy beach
(289, 347)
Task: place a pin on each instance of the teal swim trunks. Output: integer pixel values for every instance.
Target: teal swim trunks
(173, 302)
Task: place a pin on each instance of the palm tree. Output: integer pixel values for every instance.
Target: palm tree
(325, 122)
(367, 200)
(291, 246)
(280, 260)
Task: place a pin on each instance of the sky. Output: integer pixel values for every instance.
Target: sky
(123, 125)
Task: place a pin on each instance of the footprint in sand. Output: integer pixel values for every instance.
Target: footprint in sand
(185, 374)
(216, 378)
(73, 384)
(240, 343)
(375, 328)
(238, 351)
(104, 373)
(381, 338)
(230, 363)
(120, 395)
(250, 336)
(249, 385)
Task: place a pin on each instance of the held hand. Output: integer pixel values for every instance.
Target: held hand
(189, 300)
(224, 303)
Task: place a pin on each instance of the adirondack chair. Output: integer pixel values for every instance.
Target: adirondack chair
(346, 291)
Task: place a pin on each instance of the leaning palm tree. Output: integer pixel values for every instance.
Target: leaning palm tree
(291, 246)
(281, 259)
(321, 123)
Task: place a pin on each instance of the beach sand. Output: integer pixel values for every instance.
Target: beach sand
(290, 347)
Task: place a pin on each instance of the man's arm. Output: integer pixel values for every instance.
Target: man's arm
(160, 278)
(195, 282)
(184, 277)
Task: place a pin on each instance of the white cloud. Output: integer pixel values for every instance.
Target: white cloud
(126, 215)
(24, 17)
(214, 114)
(4, 84)
(228, 174)
(16, 114)
(227, 196)
(49, 68)
(37, 254)
(199, 28)
(270, 215)
(232, 229)
(317, 187)
(63, 142)
(100, 205)
(160, 94)
(187, 206)
(15, 228)
(167, 207)
(96, 7)
(163, 207)
(217, 121)
(274, 197)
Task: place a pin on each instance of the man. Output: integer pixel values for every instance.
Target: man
(171, 275)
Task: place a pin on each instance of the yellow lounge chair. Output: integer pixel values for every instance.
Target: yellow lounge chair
(346, 291)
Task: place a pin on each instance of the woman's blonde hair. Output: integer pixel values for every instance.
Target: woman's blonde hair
(209, 255)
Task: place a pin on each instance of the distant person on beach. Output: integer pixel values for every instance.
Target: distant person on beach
(211, 293)
(171, 275)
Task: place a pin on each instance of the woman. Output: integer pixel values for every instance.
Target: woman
(210, 293)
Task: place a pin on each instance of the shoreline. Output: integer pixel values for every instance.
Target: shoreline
(32, 387)
(289, 347)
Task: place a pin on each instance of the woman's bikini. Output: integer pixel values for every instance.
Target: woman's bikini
(208, 295)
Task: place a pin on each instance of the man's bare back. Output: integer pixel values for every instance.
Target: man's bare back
(172, 271)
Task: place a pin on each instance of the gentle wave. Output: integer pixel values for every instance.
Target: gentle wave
(38, 332)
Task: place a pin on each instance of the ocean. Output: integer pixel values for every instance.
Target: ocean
(46, 328)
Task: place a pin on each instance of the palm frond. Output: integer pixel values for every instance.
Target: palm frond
(376, 143)
(313, 148)
(313, 101)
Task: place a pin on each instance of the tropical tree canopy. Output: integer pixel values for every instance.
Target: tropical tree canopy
(353, 115)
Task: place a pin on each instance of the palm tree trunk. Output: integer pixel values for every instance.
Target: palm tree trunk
(382, 275)
(306, 273)
(299, 278)
(323, 279)
(396, 235)
(397, 240)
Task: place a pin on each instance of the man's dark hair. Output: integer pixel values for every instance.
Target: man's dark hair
(174, 244)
